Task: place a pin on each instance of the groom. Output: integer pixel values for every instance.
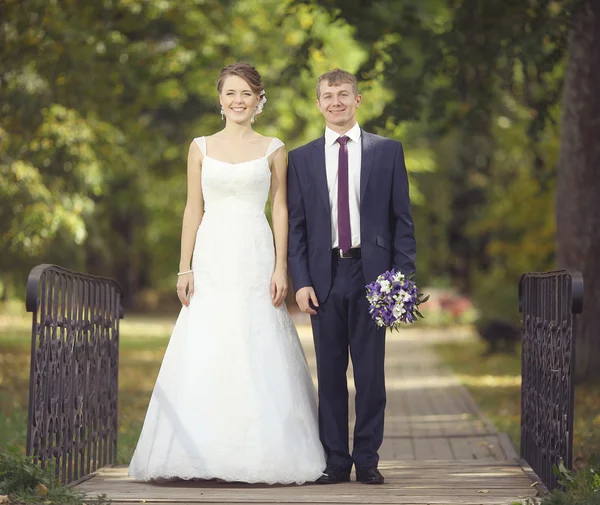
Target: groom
(350, 220)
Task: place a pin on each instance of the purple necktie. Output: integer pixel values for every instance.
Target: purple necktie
(344, 234)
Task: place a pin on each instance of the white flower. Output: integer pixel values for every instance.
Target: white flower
(403, 296)
(261, 103)
(385, 286)
(398, 310)
(373, 300)
(399, 277)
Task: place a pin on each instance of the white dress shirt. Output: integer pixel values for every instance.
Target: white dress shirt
(332, 149)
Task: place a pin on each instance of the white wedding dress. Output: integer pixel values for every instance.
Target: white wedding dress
(234, 399)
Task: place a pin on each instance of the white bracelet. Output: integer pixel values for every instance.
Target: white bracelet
(183, 273)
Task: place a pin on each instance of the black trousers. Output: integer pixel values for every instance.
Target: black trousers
(343, 325)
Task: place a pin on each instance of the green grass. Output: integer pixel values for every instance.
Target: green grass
(25, 482)
(142, 345)
(495, 384)
(138, 368)
(578, 488)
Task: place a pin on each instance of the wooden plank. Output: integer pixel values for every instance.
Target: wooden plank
(457, 500)
(426, 502)
(507, 447)
(438, 449)
(397, 449)
(433, 448)
(421, 500)
(395, 491)
(506, 467)
(369, 499)
(477, 447)
(448, 482)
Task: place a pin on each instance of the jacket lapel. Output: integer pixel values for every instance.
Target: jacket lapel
(368, 153)
(320, 173)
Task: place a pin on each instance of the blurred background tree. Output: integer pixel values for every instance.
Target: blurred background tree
(578, 183)
(99, 101)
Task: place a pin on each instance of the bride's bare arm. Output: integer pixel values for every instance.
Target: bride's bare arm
(279, 212)
(192, 217)
(279, 209)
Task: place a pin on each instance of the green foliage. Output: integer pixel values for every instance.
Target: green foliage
(482, 81)
(101, 101)
(580, 488)
(19, 474)
(99, 104)
(26, 482)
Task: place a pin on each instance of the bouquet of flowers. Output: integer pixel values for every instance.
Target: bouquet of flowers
(394, 299)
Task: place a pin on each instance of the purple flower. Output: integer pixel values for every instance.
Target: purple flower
(394, 299)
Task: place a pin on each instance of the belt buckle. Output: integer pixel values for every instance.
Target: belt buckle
(345, 255)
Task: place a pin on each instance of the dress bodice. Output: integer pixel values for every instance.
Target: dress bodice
(234, 188)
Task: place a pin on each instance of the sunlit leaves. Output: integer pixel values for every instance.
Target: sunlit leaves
(100, 101)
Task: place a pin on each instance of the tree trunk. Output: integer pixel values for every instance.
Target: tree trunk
(578, 182)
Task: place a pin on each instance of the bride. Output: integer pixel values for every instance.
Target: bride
(234, 399)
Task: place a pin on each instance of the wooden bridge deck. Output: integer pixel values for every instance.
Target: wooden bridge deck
(438, 449)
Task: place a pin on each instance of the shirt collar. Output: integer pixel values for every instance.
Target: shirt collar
(331, 137)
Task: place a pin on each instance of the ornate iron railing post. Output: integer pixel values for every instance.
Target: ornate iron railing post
(548, 303)
(73, 385)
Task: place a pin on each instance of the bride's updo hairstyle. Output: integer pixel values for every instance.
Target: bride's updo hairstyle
(251, 76)
(246, 72)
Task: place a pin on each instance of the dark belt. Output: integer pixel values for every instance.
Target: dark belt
(353, 253)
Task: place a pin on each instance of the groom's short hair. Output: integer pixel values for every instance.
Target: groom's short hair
(335, 78)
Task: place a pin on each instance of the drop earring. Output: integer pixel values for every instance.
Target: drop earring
(222, 114)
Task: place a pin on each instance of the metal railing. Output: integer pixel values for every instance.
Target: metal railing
(73, 386)
(548, 303)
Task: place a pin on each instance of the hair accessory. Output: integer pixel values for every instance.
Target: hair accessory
(261, 103)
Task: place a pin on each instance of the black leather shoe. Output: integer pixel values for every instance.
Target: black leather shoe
(333, 475)
(369, 476)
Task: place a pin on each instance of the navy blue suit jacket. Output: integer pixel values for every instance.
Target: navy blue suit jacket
(386, 224)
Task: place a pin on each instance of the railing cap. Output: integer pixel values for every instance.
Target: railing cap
(33, 282)
(577, 290)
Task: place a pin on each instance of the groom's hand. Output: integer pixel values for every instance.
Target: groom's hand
(304, 297)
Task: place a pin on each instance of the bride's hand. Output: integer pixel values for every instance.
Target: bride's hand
(185, 288)
(279, 287)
